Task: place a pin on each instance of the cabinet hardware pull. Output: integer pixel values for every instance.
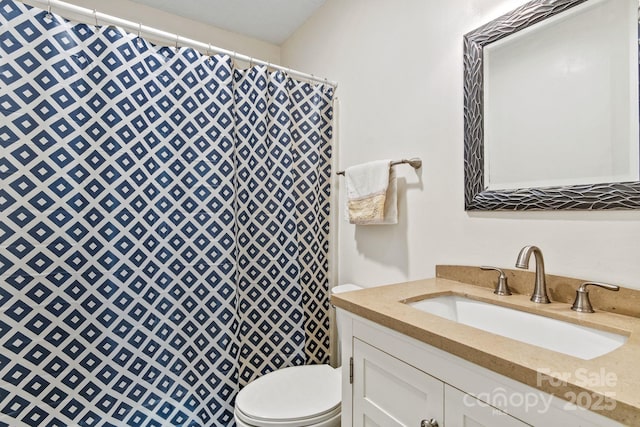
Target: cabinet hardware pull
(430, 423)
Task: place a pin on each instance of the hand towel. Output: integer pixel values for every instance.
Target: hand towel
(372, 193)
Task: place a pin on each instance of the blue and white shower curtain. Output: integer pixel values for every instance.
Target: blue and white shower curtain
(163, 226)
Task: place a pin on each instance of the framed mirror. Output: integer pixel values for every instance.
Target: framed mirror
(551, 108)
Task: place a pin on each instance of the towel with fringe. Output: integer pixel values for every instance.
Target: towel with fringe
(372, 196)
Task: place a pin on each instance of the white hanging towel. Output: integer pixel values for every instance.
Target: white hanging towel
(372, 193)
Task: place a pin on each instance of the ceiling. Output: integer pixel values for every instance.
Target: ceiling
(272, 21)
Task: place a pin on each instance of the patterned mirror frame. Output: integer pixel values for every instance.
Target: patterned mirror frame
(625, 195)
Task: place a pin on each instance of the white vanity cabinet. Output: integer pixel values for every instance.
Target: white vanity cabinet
(389, 392)
(390, 379)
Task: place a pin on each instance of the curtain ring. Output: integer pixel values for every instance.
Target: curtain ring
(210, 53)
(95, 17)
(177, 39)
(49, 16)
(234, 58)
(139, 40)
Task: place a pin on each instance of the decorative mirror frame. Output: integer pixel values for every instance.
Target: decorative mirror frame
(624, 195)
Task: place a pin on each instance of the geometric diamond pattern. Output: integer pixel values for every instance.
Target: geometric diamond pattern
(311, 130)
(270, 294)
(282, 291)
(164, 226)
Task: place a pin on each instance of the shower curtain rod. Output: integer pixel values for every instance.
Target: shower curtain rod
(164, 35)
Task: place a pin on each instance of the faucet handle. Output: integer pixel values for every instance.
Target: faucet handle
(582, 304)
(502, 288)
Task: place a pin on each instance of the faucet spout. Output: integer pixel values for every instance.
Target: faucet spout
(540, 288)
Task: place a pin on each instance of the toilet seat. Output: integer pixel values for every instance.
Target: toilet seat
(292, 397)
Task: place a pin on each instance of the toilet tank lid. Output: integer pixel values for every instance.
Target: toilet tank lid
(347, 287)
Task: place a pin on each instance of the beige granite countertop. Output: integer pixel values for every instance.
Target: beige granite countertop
(531, 365)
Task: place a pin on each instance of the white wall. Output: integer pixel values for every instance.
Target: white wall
(399, 68)
(156, 18)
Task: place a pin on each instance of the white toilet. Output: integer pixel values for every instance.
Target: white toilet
(298, 396)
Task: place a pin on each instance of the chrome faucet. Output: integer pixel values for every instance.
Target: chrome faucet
(540, 289)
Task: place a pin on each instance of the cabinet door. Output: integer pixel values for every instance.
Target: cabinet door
(387, 392)
(464, 410)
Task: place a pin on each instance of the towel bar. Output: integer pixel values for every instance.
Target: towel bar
(415, 163)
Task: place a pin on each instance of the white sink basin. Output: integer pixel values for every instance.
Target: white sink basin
(568, 338)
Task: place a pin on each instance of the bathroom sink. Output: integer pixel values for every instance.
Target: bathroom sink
(575, 340)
